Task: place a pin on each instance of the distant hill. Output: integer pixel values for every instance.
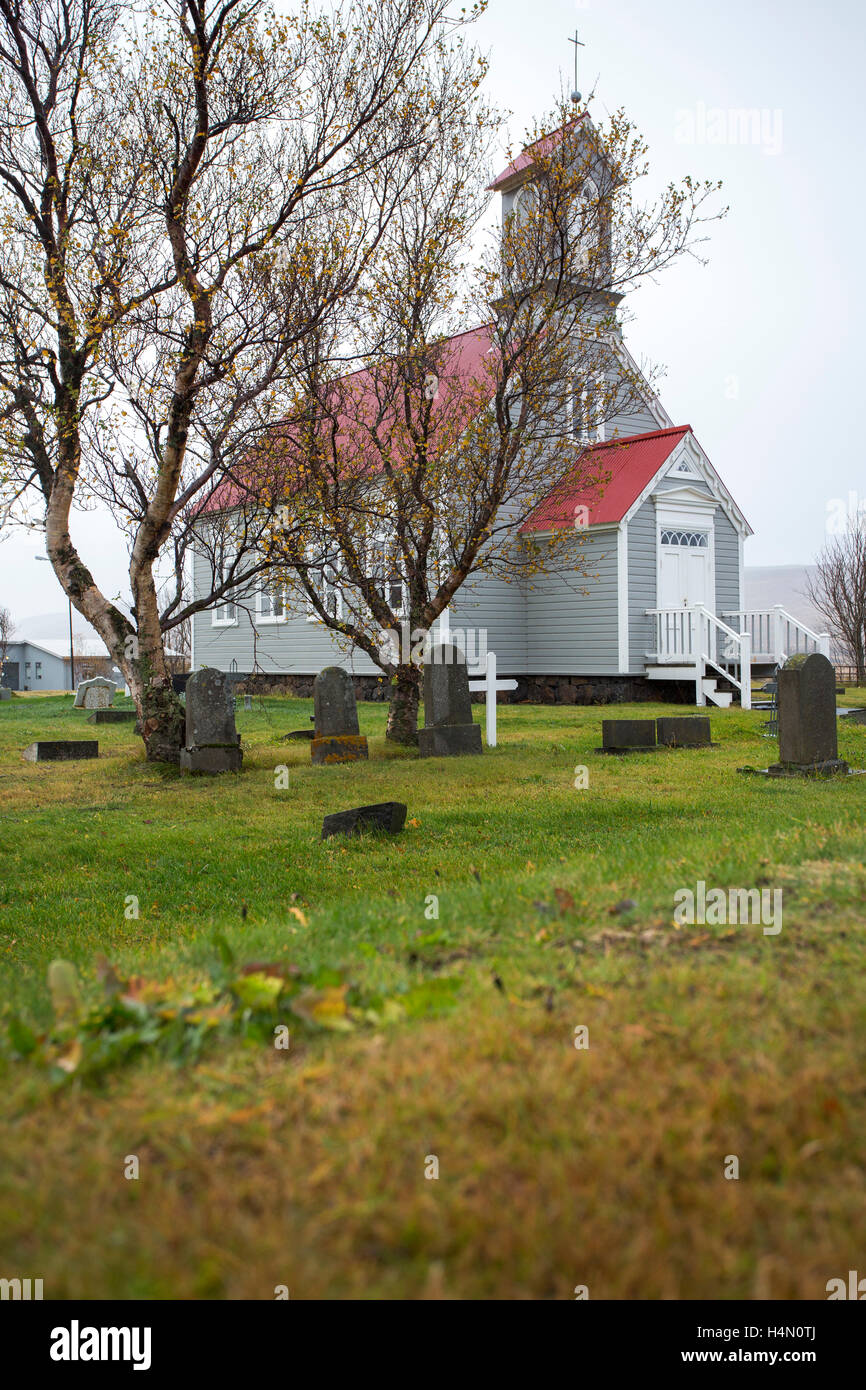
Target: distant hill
(766, 585)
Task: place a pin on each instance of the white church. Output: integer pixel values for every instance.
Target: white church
(658, 613)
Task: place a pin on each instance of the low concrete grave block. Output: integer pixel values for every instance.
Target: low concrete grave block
(450, 741)
(627, 735)
(339, 748)
(112, 716)
(61, 750)
(684, 731)
(389, 816)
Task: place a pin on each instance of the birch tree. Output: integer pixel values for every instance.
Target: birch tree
(188, 191)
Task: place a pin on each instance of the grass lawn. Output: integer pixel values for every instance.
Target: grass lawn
(558, 1166)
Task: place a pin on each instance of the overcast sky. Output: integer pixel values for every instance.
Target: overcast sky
(759, 345)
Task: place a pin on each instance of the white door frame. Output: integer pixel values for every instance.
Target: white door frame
(687, 509)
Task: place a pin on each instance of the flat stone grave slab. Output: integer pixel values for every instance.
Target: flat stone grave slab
(64, 750)
(299, 733)
(389, 816)
(627, 735)
(112, 716)
(684, 731)
(856, 716)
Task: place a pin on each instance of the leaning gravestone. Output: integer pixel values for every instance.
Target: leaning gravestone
(808, 741)
(5, 694)
(449, 730)
(61, 750)
(212, 741)
(389, 816)
(337, 738)
(97, 693)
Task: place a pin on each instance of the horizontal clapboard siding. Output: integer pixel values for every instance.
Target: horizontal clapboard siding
(296, 647)
(571, 619)
(727, 543)
(642, 579)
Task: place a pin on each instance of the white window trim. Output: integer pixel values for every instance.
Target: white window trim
(270, 619)
(224, 622)
(586, 431)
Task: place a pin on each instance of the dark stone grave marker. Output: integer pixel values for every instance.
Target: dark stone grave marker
(337, 737)
(61, 750)
(212, 741)
(449, 730)
(389, 816)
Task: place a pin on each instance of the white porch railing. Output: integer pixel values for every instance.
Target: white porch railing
(695, 637)
(776, 635)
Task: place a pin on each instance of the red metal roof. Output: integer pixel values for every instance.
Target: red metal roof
(528, 157)
(623, 467)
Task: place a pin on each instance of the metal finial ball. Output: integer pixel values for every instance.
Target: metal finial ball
(575, 96)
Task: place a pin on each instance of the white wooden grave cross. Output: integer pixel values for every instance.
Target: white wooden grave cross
(490, 685)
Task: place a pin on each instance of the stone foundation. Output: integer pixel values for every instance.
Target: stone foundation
(534, 690)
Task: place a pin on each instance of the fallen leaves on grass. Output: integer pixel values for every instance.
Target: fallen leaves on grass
(177, 1019)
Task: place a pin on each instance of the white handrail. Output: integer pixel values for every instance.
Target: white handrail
(690, 636)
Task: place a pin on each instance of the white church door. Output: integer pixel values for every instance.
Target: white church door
(685, 578)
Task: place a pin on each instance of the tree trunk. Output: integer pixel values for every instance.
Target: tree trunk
(403, 710)
(161, 717)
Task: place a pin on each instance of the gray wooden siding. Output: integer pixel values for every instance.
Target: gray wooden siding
(642, 576)
(296, 647)
(727, 565)
(491, 612)
(571, 621)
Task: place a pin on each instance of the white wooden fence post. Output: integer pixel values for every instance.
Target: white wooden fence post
(778, 647)
(697, 629)
(824, 644)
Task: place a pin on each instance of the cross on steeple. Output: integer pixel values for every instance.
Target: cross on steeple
(575, 95)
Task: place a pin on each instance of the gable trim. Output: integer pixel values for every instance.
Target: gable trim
(690, 448)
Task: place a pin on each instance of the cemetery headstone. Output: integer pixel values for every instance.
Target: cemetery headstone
(337, 738)
(684, 731)
(97, 693)
(5, 694)
(449, 730)
(627, 735)
(389, 816)
(808, 736)
(212, 741)
(856, 716)
(112, 716)
(61, 750)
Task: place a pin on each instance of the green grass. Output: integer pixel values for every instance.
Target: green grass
(557, 1166)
